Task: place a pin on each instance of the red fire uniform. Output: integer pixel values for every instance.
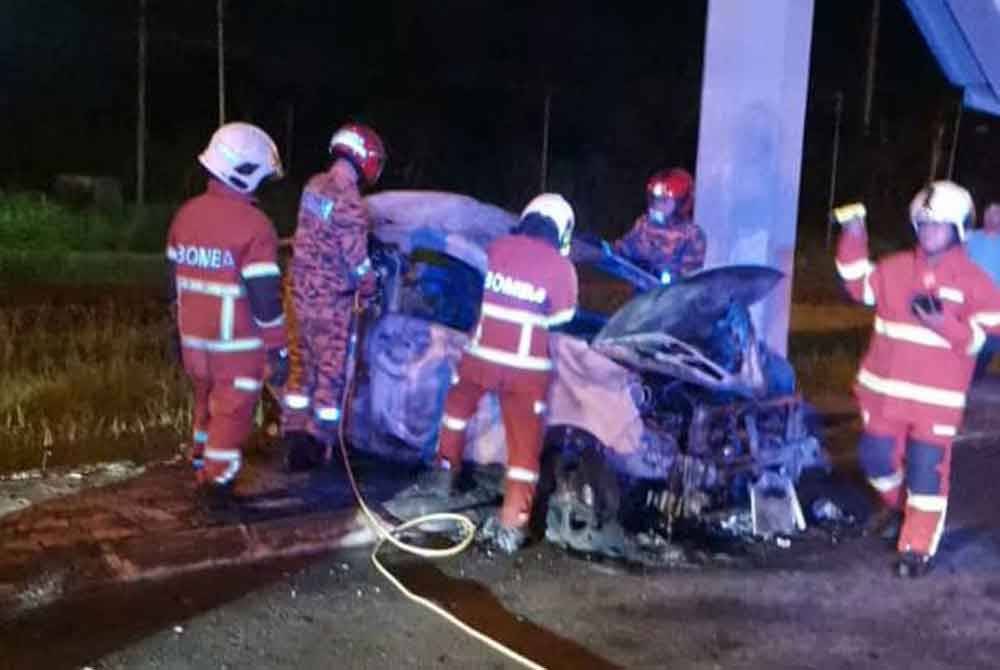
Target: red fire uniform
(529, 288)
(330, 263)
(669, 251)
(223, 255)
(913, 380)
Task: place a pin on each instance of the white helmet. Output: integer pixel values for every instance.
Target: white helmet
(943, 202)
(242, 156)
(555, 208)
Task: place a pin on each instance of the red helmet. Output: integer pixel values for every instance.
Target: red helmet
(363, 147)
(676, 183)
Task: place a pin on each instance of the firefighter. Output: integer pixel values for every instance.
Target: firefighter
(664, 240)
(329, 265)
(225, 292)
(530, 287)
(933, 308)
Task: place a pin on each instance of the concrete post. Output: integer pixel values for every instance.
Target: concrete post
(754, 87)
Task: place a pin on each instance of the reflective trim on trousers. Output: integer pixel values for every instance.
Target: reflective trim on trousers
(247, 384)
(854, 270)
(231, 456)
(944, 430)
(328, 413)
(887, 483)
(522, 475)
(926, 503)
(296, 401)
(454, 423)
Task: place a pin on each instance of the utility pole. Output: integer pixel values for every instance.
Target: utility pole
(222, 63)
(140, 125)
(545, 139)
(838, 107)
(870, 70)
(954, 139)
(289, 135)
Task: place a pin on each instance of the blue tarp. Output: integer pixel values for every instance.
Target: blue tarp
(963, 35)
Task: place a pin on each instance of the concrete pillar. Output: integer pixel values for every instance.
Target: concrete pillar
(754, 86)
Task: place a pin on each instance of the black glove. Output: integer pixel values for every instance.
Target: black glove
(277, 366)
(926, 302)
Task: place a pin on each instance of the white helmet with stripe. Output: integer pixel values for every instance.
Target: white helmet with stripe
(943, 202)
(241, 155)
(555, 208)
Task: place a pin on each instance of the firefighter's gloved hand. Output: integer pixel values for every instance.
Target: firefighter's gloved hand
(926, 307)
(277, 366)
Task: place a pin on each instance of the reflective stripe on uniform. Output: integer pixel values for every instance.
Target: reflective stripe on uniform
(247, 383)
(209, 287)
(540, 407)
(868, 293)
(560, 317)
(951, 294)
(898, 388)
(454, 423)
(522, 475)
(229, 455)
(886, 483)
(509, 359)
(513, 314)
(944, 430)
(926, 503)
(255, 270)
(226, 318)
(296, 401)
(273, 323)
(987, 319)
(201, 344)
(909, 332)
(978, 340)
(854, 270)
(328, 413)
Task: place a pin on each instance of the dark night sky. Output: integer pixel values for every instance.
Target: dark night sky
(455, 86)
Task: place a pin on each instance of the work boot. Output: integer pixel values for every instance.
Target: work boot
(885, 524)
(913, 565)
(304, 452)
(507, 539)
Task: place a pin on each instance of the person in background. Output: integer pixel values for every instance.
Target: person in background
(330, 263)
(225, 294)
(664, 240)
(983, 247)
(933, 309)
(531, 286)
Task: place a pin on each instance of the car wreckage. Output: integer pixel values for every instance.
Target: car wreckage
(668, 410)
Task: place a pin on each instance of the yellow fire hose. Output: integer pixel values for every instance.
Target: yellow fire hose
(388, 533)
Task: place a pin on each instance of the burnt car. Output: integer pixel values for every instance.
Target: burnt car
(667, 409)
